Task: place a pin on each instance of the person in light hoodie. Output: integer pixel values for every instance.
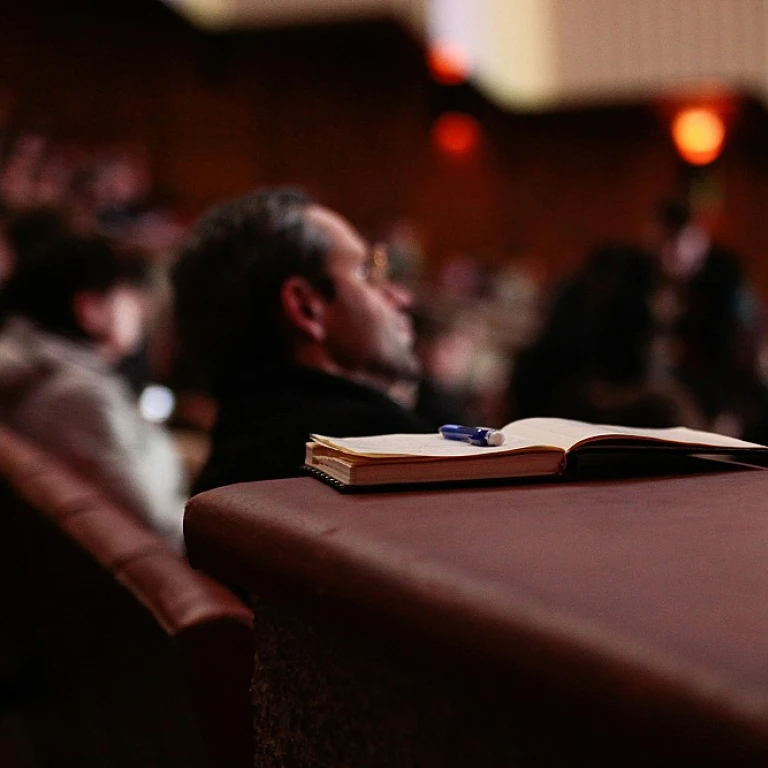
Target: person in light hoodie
(72, 309)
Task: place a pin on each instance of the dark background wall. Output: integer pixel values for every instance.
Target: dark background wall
(345, 110)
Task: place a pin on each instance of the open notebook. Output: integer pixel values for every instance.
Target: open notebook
(532, 448)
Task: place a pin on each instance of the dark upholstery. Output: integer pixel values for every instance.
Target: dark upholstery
(115, 651)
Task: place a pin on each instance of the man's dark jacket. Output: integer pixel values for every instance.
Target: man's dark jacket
(264, 422)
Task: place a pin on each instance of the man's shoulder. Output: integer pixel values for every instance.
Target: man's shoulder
(334, 405)
(262, 436)
(289, 415)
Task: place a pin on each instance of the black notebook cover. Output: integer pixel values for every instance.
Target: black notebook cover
(586, 465)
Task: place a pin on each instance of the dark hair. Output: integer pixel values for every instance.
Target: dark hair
(33, 229)
(46, 281)
(228, 278)
(598, 328)
(673, 215)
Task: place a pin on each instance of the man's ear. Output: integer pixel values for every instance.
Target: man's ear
(89, 310)
(304, 307)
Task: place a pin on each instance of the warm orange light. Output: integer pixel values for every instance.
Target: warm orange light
(456, 133)
(699, 135)
(448, 64)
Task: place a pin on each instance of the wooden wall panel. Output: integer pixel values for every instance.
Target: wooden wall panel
(345, 110)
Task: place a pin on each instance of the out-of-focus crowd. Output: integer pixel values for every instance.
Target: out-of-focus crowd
(84, 307)
(664, 333)
(105, 190)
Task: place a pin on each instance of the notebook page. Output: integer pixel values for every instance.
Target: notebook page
(431, 445)
(565, 434)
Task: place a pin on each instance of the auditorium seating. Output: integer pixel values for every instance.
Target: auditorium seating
(113, 650)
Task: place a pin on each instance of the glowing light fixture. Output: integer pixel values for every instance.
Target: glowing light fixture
(456, 133)
(448, 64)
(699, 134)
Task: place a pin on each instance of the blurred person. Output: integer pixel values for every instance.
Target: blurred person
(18, 176)
(119, 191)
(120, 184)
(591, 360)
(444, 349)
(74, 309)
(293, 316)
(25, 233)
(708, 325)
(33, 229)
(406, 252)
(7, 258)
(465, 369)
(39, 175)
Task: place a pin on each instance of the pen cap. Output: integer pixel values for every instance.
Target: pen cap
(494, 437)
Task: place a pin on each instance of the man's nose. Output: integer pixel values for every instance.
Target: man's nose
(399, 295)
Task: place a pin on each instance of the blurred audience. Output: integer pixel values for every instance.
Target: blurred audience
(671, 334)
(73, 308)
(106, 191)
(47, 185)
(465, 367)
(591, 360)
(665, 337)
(444, 348)
(299, 329)
(708, 325)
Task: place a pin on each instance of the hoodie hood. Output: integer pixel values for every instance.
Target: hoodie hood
(29, 355)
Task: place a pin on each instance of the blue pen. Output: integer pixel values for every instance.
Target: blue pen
(484, 436)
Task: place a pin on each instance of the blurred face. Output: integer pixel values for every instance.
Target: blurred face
(128, 318)
(369, 333)
(115, 320)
